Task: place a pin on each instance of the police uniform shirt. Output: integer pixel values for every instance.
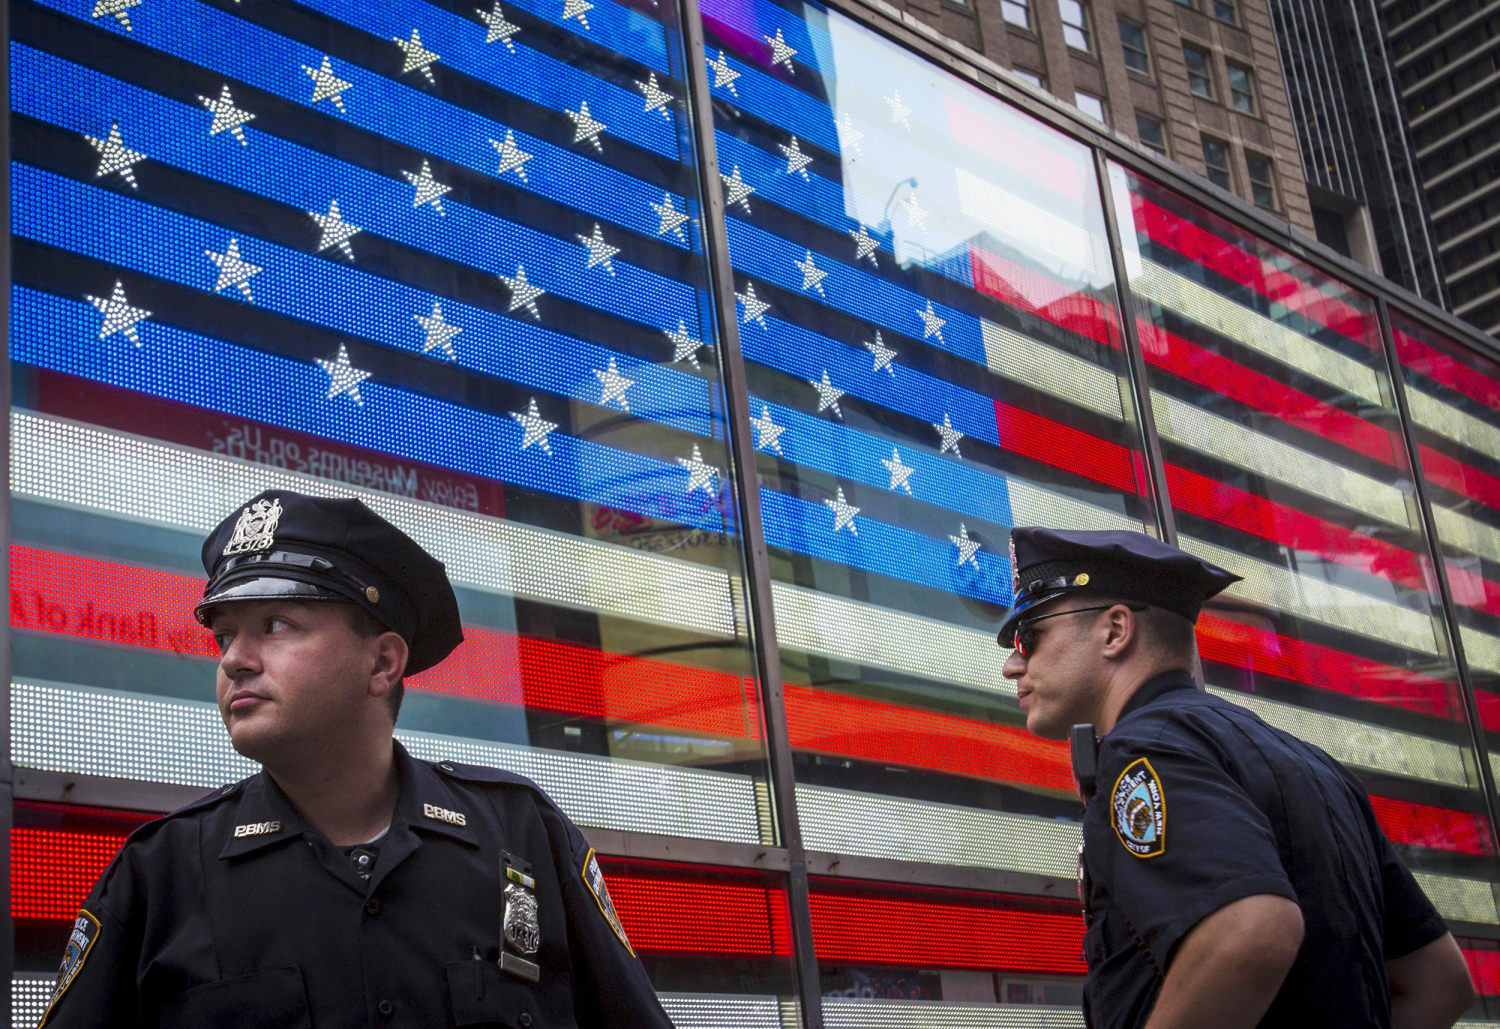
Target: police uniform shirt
(1199, 803)
(235, 912)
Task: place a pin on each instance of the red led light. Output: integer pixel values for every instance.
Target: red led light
(1422, 825)
(1451, 372)
(52, 871)
(690, 915)
(1484, 967)
(1028, 290)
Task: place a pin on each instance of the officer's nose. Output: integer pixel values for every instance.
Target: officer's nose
(1015, 666)
(240, 657)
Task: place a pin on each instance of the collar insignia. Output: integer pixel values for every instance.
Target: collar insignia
(256, 529)
(1138, 810)
(442, 814)
(257, 829)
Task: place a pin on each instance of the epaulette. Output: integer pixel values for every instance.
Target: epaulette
(209, 799)
(484, 774)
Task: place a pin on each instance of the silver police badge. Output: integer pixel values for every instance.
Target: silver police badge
(256, 529)
(522, 930)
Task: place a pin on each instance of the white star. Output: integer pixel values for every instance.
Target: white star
(418, 57)
(523, 293)
(883, 354)
(512, 157)
(657, 99)
(671, 218)
(916, 218)
(796, 160)
(327, 85)
(119, 8)
(899, 111)
(849, 136)
(586, 126)
(498, 27)
(535, 428)
(600, 252)
(234, 270)
(614, 385)
(950, 435)
(336, 231)
(577, 9)
(812, 275)
(429, 190)
(723, 74)
(828, 395)
(343, 377)
(843, 513)
(781, 53)
(115, 156)
(755, 307)
(932, 325)
(119, 316)
(768, 431)
(737, 190)
(967, 548)
(684, 346)
(864, 245)
(900, 473)
(440, 332)
(701, 475)
(227, 117)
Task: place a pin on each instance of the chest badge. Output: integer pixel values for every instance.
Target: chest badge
(1138, 810)
(523, 930)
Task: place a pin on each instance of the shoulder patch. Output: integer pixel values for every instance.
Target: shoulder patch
(1138, 810)
(80, 942)
(593, 878)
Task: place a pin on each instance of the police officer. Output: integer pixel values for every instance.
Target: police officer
(1231, 875)
(347, 884)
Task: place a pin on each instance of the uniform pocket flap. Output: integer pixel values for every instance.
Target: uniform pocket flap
(481, 994)
(260, 1001)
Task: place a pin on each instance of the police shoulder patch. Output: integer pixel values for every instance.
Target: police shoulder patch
(593, 878)
(1138, 810)
(80, 942)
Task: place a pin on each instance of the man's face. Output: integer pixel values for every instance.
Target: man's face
(1057, 681)
(291, 675)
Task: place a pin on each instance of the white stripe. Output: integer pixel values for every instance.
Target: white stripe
(1361, 744)
(1033, 363)
(1465, 900)
(1470, 534)
(1208, 433)
(1270, 585)
(1152, 281)
(872, 825)
(1446, 420)
(103, 732)
(1018, 219)
(1031, 504)
(852, 1013)
(29, 995)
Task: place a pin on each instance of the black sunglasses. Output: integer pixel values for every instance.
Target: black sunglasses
(1026, 634)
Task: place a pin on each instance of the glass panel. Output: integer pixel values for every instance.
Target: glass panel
(1075, 24)
(459, 275)
(926, 309)
(1241, 88)
(1216, 159)
(1151, 133)
(1133, 42)
(1200, 80)
(1017, 12)
(1089, 105)
(1285, 464)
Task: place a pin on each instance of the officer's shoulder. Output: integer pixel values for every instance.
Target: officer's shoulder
(486, 776)
(1184, 724)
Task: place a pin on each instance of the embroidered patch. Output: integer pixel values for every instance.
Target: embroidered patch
(594, 880)
(1138, 810)
(80, 942)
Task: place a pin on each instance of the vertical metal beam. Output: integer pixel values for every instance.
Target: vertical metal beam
(1440, 569)
(1156, 474)
(7, 774)
(761, 611)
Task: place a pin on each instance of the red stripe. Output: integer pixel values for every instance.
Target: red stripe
(685, 911)
(1423, 825)
(52, 872)
(1452, 474)
(1031, 291)
(1484, 967)
(1015, 149)
(1073, 450)
(1442, 367)
(1202, 246)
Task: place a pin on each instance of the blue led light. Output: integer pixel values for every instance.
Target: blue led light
(611, 25)
(52, 332)
(807, 528)
(250, 54)
(132, 234)
(306, 179)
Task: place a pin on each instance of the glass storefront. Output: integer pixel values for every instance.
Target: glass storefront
(455, 261)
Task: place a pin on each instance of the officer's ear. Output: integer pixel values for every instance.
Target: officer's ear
(1122, 630)
(391, 654)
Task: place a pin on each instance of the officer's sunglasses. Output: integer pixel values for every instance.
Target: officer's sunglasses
(1026, 633)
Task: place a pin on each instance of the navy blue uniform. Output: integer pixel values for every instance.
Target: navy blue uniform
(235, 912)
(1199, 803)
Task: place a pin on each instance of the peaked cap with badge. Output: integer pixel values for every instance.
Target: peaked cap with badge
(283, 545)
(1051, 563)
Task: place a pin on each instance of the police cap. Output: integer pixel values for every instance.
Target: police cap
(1050, 563)
(288, 546)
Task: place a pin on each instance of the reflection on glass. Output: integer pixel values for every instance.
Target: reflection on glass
(926, 307)
(442, 259)
(1285, 463)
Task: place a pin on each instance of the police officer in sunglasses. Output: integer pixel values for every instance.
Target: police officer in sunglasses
(1231, 874)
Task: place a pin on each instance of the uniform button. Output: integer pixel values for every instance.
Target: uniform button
(525, 1018)
(372, 907)
(386, 1009)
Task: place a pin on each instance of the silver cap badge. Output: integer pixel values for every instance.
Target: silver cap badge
(256, 529)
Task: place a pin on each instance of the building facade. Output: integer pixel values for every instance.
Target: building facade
(715, 349)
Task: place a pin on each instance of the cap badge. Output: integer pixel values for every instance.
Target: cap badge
(1082, 580)
(1015, 573)
(256, 529)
